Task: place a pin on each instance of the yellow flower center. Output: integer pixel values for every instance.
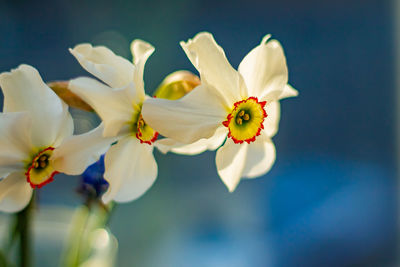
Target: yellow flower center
(245, 121)
(40, 171)
(143, 131)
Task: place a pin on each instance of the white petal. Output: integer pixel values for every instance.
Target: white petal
(76, 153)
(14, 134)
(288, 91)
(195, 116)
(66, 126)
(113, 106)
(130, 170)
(230, 160)
(264, 70)
(260, 157)
(141, 51)
(166, 145)
(9, 164)
(210, 60)
(15, 192)
(271, 122)
(24, 90)
(15, 143)
(100, 61)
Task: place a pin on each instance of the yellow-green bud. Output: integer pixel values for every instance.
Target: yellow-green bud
(176, 85)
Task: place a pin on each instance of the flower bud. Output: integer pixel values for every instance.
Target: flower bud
(72, 100)
(177, 84)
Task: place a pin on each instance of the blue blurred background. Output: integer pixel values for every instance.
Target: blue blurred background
(331, 197)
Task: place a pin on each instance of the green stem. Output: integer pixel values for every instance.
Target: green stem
(14, 233)
(81, 241)
(71, 252)
(24, 229)
(3, 259)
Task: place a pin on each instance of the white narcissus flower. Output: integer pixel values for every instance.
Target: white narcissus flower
(242, 105)
(130, 167)
(36, 140)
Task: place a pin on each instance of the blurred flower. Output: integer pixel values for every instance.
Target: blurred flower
(130, 167)
(103, 249)
(36, 139)
(93, 184)
(241, 105)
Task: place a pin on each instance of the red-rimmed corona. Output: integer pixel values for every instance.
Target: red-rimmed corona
(245, 122)
(144, 132)
(40, 171)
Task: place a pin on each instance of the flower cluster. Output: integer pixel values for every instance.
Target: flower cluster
(234, 111)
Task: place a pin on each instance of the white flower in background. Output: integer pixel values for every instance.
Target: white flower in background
(130, 167)
(36, 139)
(241, 105)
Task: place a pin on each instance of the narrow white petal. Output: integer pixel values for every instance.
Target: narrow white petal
(130, 170)
(170, 145)
(260, 157)
(100, 61)
(288, 91)
(271, 122)
(230, 160)
(24, 90)
(141, 51)
(76, 153)
(66, 126)
(195, 116)
(210, 60)
(113, 106)
(15, 192)
(264, 69)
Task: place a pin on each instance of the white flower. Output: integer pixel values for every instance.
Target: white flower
(130, 167)
(241, 105)
(36, 139)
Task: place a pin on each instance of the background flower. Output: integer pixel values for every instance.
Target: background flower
(36, 139)
(93, 184)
